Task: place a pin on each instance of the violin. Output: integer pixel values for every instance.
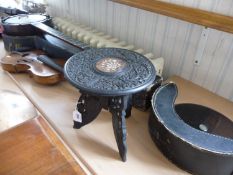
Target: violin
(19, 62)
(27, 32)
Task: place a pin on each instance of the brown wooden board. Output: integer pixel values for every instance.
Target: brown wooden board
(33, 148)
(196, 16)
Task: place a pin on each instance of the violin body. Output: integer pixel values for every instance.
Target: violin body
(27, 62)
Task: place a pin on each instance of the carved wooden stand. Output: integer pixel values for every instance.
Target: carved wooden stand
(90, 106)
(107, 78)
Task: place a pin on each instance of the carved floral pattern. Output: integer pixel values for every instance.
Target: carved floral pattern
(81, 70)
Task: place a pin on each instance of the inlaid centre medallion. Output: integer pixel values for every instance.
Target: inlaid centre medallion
(110, 65)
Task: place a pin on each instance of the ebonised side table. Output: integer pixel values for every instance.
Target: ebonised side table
(107, 78)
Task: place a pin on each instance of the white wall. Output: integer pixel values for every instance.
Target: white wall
(177, 41)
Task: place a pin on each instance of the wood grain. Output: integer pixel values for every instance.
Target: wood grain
(28, 63)
(196, 16)
(33, 148)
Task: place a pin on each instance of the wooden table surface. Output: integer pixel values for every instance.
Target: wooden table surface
(28, 143)
(95, 144)
(33, 148)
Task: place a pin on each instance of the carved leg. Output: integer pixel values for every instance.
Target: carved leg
(88, 107)
(118, 106)
(129, 107)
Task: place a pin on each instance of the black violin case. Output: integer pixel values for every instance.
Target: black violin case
(194, 137)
